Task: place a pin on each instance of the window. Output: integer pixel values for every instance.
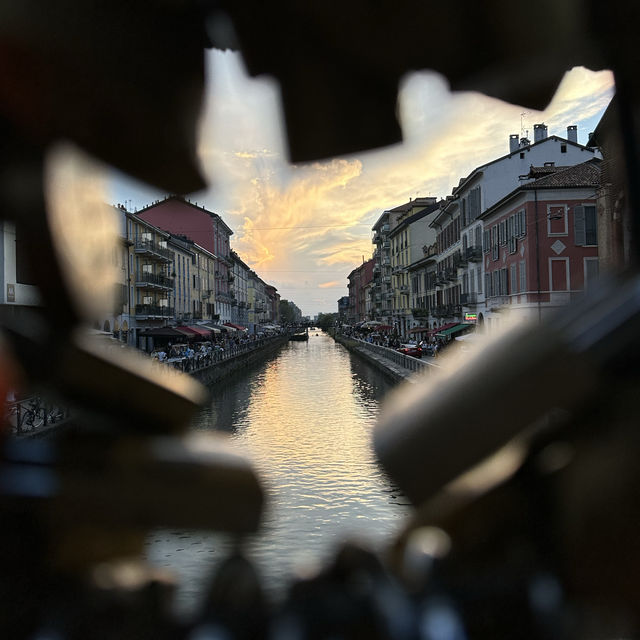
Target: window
(479, 280)
(591, 271)
(494, 242)
(24, 273)
(520, 225)
(585, 225)
(559, 274)
(478, 236)
(523, 276)
(514, 278)
(474, 204)
(556, 219)
(522, 155)
(563, 148)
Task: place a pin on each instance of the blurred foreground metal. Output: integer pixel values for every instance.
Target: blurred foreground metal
(538, 541)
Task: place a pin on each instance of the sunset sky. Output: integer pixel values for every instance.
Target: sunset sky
(304, 228)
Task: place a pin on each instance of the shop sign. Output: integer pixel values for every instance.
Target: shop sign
(471, 317)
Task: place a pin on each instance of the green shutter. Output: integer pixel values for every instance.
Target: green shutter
(579, 230)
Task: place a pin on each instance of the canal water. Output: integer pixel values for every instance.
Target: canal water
(305, 419)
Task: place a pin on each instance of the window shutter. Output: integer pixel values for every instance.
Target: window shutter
(579, 231)
(523, 276)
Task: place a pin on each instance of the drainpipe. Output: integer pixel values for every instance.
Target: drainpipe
(535, 193)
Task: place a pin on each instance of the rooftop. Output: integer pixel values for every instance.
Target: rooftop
(586, 174)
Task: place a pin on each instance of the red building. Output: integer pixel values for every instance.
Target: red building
(206, 228)
(360, 280)
(540, 244)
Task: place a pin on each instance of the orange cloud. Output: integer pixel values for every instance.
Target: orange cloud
(328, 285)
(318, 217)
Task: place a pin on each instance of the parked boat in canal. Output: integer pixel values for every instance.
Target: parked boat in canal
(300, 335)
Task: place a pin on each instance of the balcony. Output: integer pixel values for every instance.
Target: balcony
(421, 312)
(441, 278)
(430, 250)
(154, 281)
(386, 279)
(376, 268)
(445, 311)
(458, 260)
(153, 311)
(451, 274)
(403, 288)
(469, 299)
(376, 237)
(151, 248)
(474, 254)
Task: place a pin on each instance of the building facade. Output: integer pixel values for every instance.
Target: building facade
(206, 228)
(541, 244)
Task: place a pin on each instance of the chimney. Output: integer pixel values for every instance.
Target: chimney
(524, 142)
(572, 133)
(514, 143)
(539, 132)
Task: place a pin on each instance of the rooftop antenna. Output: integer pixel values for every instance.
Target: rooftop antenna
(523, 133)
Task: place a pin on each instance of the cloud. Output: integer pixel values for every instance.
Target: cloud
(328, 285)
(318, 217)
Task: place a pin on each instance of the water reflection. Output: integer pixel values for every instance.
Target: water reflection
(305, 420)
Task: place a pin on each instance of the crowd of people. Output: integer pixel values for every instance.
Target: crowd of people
(192, 355)
(432, 346)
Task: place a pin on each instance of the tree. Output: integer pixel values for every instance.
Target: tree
(326, 320)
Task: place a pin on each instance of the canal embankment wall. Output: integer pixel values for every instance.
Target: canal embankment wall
(33, 418)
(223, 368)
(396, 366)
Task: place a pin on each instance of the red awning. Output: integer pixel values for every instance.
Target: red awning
(186, 331)
(384, 327)
(419, 330)
(235, 326)
(443, 327)
(201, 331)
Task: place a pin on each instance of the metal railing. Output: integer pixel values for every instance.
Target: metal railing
(154, 310)
(157, 279)
(222, 354)
(152, 247)
(474, 254)
(28, 415)
(407, 362)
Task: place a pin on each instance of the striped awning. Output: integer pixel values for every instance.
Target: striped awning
(237, 327)
(453, 330)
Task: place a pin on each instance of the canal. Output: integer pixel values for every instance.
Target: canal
(304, 418)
